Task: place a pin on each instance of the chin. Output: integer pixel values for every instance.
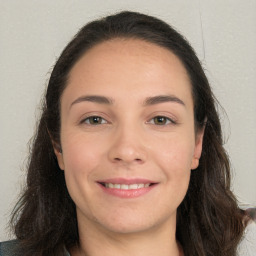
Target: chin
(137, 223)
(127, 228)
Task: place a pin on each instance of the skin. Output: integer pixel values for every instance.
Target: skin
(128, 142)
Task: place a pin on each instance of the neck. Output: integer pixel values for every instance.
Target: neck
(156, 241)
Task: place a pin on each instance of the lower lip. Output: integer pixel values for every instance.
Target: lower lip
(127, 193)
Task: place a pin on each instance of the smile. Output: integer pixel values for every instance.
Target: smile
(125, 186)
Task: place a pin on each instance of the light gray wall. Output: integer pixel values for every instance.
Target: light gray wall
(32, 34)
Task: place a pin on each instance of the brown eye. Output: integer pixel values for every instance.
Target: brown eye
(161, 120)
(94, 120)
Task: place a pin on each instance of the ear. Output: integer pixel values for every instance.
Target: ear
(58, 153)
(198, 148)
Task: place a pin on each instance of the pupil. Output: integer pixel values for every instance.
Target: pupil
(95, 120)
(160, 120)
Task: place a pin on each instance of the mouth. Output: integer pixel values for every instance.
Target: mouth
(126, 188)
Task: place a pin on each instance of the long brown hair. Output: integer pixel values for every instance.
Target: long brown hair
(209, 221)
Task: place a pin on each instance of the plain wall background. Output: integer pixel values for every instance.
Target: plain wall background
(33, 33)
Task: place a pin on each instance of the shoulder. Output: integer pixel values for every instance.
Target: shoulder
(8, 248)
(247, 246)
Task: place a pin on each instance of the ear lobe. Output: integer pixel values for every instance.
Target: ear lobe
(58, 153)
(198, 149)
(195, 163)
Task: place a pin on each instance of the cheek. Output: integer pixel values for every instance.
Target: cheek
(176, 165)
(175, 159)
(79, 153)
(81, 157)
(176, 153)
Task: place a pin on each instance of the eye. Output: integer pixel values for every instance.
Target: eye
(94, 120)
(161, 120)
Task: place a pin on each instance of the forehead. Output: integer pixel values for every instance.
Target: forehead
(123, 49)
(124, 65)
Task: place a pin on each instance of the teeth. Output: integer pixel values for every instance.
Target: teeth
(133, 186)
(117, 186)
(126, 187)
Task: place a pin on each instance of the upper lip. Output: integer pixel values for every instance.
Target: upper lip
(126, 181)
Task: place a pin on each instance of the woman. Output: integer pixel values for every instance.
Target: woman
(128, 156)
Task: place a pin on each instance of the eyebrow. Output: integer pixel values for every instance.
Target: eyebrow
(93, 98)
(149, 101)
(162, 99)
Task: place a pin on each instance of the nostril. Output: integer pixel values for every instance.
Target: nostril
(117, 159)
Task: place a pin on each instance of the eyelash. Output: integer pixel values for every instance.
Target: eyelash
(165, 120)
(88, 120)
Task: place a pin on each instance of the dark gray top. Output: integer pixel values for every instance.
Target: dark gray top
(247, 245)
(9, 248)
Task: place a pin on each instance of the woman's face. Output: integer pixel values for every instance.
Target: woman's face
(127, 136)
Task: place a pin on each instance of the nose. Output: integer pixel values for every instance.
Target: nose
(128, 147)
